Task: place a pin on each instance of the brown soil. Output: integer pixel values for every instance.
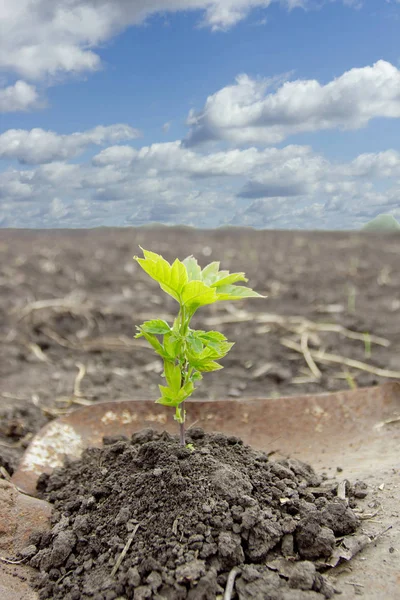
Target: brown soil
(98, 295)
(325, 292)
(187, 518)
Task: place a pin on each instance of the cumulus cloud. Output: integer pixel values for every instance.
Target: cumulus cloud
(18, 97)
(290, 187)
(381, 164)
(39, 146)
(174, 157)
(248, 112)
(295, 176)
(49, 37)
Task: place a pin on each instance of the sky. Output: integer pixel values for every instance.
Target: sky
(274, 114)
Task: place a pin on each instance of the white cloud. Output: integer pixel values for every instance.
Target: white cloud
(249, 113)
(291, 187)
(115, 155)
(296, 176)
(381, 164)
(174, 157)
(18, 97)
(48, 37)
(38, 146)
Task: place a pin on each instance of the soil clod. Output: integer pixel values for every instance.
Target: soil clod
(144, 518)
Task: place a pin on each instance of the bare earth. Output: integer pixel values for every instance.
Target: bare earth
(70, 301)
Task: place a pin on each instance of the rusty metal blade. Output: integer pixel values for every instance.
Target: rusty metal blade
(341, 426)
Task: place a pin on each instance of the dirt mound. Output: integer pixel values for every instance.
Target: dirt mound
(147, 518)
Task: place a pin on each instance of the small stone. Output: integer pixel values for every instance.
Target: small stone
(62, 547)
(287, 545)
(302, 576)
(123, 516)
(133, 577)
(360, 489)
(154, 580)
(191, 571)
(234, 393)
(28, 551)
(142, 593)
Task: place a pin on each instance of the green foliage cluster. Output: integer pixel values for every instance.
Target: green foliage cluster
(186, 352)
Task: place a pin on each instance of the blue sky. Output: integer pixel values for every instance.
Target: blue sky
(268, 113)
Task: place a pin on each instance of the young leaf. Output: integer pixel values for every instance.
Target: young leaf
(229, 279)
(208, 345)
(153, 341)
(193, 269)
(209, 273)
(195, 343)
(206, 366)
(167, 397)
(173, 376)
(211, 336)
(170, 278)
(156, 326)
(196, 376)
(196, 294)
(236, 292)
(172, 345)
(185, 391)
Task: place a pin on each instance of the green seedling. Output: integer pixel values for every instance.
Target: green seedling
(186, 352)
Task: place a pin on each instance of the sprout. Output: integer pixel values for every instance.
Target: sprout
(186, 352)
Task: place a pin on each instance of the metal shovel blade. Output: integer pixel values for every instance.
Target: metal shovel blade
(348, 428)
(358, 430)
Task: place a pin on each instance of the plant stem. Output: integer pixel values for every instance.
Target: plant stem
(182, 431)
(184, 324)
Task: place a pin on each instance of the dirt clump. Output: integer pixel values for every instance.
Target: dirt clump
(148, 518)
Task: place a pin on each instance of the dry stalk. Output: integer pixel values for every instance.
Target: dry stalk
(124, 551)
(295, 323)
(5, 474)
(307, 356)
(61, 341)
(230, 583)
(38, 352)
(12, 562)
(54, 303)
(326, 357)
(387, 422)
(78, 379)
(121, 342)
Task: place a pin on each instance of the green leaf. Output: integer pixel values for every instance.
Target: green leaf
(173, 376)
(196, 294)
(211, 336)
(156, 326)
(229, 279)
(236, 292)
(153, 341)
(209, 273)
(185, 391)
(215, 344)
(208, 365)
(196, 376)
(167, 397)
(170, 278)
(195, 343)
(193, 269)
(172, 345)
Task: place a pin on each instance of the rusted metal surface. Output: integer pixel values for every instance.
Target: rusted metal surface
(20, 517)
(358, 429)
(310, 427)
